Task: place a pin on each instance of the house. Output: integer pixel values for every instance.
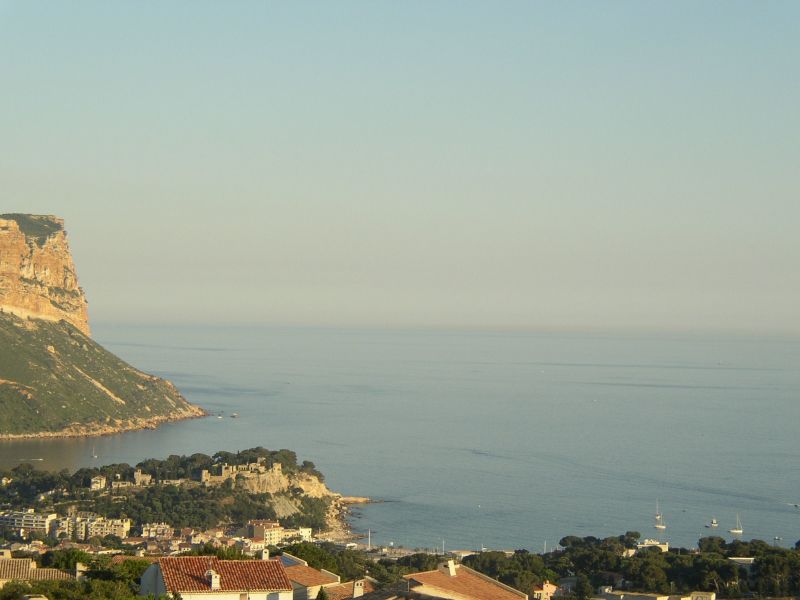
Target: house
(98, 483)
(457, 582)
(545, 591)
(209, 578)
(647, 544)
(307, 581)
(350, 589)
(24, 569)
(270, 532)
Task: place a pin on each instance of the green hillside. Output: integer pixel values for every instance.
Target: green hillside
(53, 378)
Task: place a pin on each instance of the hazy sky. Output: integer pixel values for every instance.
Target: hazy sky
(588, 165)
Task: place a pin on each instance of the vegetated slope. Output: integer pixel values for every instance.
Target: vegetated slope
(54, 380)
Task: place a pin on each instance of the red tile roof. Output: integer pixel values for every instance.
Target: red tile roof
(15, 568)
(470, 584)
(23, 569)
(188, 574)
(343, 591)
(49, 574)
(308, 576)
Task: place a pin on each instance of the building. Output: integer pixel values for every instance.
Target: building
(224, 472)
(457, 582)
(158, 531)
(307, 581)
(545, 591)
(86, 525)
(98, 483)
(301, 534)
(24, 569)
(271, 532)
(27, 521)
(141, 479)
(208, 578)
(647, 544)
(350, 589)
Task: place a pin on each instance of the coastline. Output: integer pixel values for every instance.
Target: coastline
(340, 530)
(79, 430)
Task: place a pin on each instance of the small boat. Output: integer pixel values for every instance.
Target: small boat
(738, 529)
(659, 519)
(713, 524)
(219, 416)
(234, 415)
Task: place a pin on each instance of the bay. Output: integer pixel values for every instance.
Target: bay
(503, 440)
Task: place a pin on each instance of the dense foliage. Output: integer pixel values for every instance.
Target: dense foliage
(354, 564)
(594, 562)
(190, 505)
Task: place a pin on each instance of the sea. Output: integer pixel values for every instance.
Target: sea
(496, 440)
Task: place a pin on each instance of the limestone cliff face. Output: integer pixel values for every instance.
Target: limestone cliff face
(274, 481)
(37, 275)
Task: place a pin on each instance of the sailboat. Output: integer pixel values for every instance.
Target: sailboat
(94, 452)
(738, 529)
(659, 519)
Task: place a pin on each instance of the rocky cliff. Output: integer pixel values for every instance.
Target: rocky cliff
(54, 379)
(37, 275)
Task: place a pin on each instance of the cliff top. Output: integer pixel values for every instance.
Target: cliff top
(36, 227)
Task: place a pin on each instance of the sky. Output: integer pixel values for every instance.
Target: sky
(598, 166)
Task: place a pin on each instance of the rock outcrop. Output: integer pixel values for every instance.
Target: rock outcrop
(54, 379)
(37, 275)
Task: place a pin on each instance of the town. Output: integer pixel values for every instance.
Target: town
(123, 532)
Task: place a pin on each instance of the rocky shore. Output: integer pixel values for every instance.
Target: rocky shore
(111, 428)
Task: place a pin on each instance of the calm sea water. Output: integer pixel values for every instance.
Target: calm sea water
(480, 439)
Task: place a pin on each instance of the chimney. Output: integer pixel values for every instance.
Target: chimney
(448, 568)
(213, 579)
(265, 554)
(358, 588)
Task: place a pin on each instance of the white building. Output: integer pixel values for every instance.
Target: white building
(27, 521)
(159, 531)
(208, 578)
(86, 525)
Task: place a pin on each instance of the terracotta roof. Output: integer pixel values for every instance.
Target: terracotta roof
(343, 591)
(469, 584)
(23, 569)
(188, 574)
(308, 576)
(49, 574)
(15, 568)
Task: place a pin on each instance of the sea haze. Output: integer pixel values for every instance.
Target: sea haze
(503, 440)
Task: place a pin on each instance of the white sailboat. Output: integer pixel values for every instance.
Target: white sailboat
(659, 518)
(94, 452)
(738, 529)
